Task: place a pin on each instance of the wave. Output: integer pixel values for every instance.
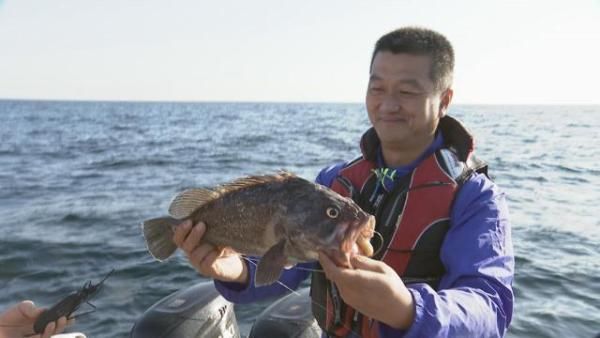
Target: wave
(130, 163)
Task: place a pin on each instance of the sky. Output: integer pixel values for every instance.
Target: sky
(507, 52)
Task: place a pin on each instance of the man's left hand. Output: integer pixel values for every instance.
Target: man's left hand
(373, 288)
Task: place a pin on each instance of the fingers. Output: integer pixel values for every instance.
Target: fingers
(56, 327)
(181, 232)
(187, 237)
(227, 251)
(199, 255)
(366, 263)
(208, 263)
(61, 324)
(70, 321)
(49, 330)
(361, 266)
(28, 309)
(331, 270)
(193, 238)
(207, 259)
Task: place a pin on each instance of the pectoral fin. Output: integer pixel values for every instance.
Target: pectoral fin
(271, 264)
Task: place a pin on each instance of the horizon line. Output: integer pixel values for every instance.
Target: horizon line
(272, 102)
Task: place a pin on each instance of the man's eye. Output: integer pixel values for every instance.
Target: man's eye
(408, 94)
(376, 90)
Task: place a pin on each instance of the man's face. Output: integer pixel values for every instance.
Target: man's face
(402, 102)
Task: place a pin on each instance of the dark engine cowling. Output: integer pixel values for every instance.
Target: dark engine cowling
(198, 311)
(289, 317)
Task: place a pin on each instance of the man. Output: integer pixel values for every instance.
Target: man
(18, 320)
(445, 262)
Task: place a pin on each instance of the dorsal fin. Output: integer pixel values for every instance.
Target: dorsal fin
(189, 200)
(250, 181)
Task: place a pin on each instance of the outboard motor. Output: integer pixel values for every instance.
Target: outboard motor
(198, 311)
(289, 317)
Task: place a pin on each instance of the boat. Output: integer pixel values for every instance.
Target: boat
(201, 312)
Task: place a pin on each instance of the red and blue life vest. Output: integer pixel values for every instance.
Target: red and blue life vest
(413, 218)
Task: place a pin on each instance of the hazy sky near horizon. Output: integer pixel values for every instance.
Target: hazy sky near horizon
(507, 52)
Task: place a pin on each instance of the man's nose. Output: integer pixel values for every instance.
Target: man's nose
(389, 104)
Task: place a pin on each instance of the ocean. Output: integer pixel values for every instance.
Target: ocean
(77, 178)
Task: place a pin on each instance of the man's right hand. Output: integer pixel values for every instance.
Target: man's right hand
(17, 322)
(222, 264)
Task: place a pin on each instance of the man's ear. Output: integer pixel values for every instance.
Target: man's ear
(445, 102)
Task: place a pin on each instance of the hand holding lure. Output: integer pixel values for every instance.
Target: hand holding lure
(69, 304)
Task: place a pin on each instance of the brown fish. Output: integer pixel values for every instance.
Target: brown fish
(282, 217)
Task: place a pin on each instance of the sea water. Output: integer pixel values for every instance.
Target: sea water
(77, 178)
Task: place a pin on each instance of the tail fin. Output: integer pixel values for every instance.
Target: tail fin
(158, 233)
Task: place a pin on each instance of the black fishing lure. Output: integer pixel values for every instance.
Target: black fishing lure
(68, 305)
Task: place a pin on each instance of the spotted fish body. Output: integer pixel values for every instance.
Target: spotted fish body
(281, 217)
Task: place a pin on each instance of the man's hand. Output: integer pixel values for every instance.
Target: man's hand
(222, 264)
(17, 322)
(372, 288)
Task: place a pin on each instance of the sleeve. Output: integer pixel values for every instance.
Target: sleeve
(241, 293)
(328, 174)
(475, 296)
(289, 280)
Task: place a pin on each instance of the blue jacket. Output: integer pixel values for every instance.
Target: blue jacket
(474, 298)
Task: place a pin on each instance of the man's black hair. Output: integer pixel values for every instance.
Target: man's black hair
(421, 41)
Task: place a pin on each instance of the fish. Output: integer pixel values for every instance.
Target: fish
(282, 218)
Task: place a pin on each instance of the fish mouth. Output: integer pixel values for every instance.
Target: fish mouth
(358, 237)
(355, 239)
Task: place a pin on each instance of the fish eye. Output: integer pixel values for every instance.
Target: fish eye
(332, 212)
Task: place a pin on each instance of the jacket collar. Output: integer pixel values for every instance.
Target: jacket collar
(455, 134)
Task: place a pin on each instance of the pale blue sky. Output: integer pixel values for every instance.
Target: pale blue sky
(534, 51)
